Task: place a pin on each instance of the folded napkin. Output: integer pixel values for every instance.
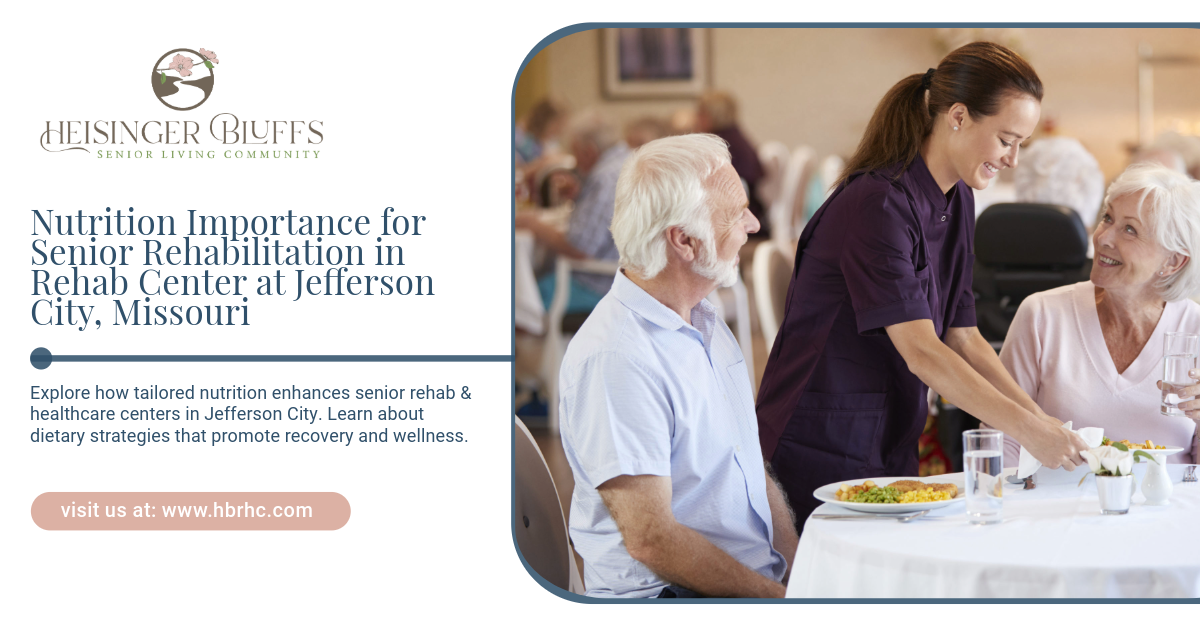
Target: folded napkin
(1028, 465)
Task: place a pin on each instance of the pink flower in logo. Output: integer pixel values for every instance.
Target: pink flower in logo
(210, 55)
(182, 64)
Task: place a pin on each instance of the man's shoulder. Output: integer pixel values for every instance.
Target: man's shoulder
(612, 329)
(613, 334)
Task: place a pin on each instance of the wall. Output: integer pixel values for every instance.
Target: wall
(819, 86)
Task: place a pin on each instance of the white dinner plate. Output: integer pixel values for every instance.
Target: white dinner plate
(828, 494)
(1170, 451)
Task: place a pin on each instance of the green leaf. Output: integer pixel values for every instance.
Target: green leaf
(1145, 455)
(1120, 446)
(162, 78)
(208, 64)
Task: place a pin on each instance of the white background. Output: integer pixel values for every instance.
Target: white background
(415, 101)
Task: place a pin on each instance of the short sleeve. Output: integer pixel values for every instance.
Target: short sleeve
(1022, 351)
(877, 262)
(964, 313)
(617, 419)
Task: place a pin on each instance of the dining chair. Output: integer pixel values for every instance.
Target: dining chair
(787, 212)
(774, 159)
(831, 169)
(540, 528)
(1020, 249)
(772, 273)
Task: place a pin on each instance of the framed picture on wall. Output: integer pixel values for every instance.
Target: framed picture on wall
(654, 62)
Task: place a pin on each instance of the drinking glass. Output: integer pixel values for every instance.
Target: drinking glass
(1179, 357)
(983, 463)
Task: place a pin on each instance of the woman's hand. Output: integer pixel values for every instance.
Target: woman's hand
(1054, 445)
(1191, 407)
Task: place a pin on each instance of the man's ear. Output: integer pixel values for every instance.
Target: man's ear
(681, 246)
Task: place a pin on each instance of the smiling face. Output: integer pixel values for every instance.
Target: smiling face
(732, 223)
(983, 146)
(1128, 259)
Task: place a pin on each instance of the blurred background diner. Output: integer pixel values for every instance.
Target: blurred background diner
(793, 103)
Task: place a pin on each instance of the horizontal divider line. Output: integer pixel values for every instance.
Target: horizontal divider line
(283, 358)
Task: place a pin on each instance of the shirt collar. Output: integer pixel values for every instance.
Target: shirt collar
(919, 174)
(641, 303)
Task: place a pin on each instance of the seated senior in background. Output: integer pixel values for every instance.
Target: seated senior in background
(1060, 171)
(1092, 353)
(599, 153)
(672, 498)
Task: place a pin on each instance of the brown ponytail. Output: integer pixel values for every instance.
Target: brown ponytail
(979, 75)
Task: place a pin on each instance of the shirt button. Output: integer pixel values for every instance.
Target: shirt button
(738, 448)
(943, 219)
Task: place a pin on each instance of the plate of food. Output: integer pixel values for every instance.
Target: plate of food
(1147, 446)
(890, 495)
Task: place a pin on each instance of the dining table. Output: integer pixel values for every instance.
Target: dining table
(1052, 542)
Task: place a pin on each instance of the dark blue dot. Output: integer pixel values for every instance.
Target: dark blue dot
(40, 358)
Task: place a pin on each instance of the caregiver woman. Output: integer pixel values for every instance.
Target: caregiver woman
(880, 303)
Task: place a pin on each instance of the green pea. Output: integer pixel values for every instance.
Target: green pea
(878, 495)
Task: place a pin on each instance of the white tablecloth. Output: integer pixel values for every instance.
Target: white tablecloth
(1053, 542)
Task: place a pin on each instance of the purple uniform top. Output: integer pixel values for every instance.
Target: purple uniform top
(837, 401)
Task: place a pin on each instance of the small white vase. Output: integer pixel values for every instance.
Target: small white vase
(1156, 485)
(1116, 492)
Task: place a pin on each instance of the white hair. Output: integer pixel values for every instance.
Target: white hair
(1162, 156)
(1060, 171)
(1171, 203)
(1187, 146)
(592, 127)
(662, 185)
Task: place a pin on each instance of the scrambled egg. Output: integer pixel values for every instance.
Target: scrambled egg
(924, 495)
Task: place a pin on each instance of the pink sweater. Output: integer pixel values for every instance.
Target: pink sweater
(1056, 352)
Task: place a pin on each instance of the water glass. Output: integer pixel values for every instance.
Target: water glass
(1179, 357)
(983, 464)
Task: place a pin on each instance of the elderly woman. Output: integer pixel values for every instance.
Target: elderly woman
(1092, 352)
(1061, 171)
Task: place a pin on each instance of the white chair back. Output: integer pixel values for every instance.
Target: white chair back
(540, 527)
(774, 159)
(772, 274)
(831, 169)
(787, 213)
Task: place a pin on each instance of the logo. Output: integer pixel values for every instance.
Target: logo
(183, 78)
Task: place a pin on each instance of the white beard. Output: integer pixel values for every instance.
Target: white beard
(708, 265)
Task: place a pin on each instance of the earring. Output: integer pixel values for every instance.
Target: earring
(955, 128)
(1160, 273)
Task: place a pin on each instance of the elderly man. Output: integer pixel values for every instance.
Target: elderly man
(672, 498)
(599, 154)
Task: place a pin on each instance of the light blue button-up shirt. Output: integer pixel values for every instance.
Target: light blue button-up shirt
(644, 393)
